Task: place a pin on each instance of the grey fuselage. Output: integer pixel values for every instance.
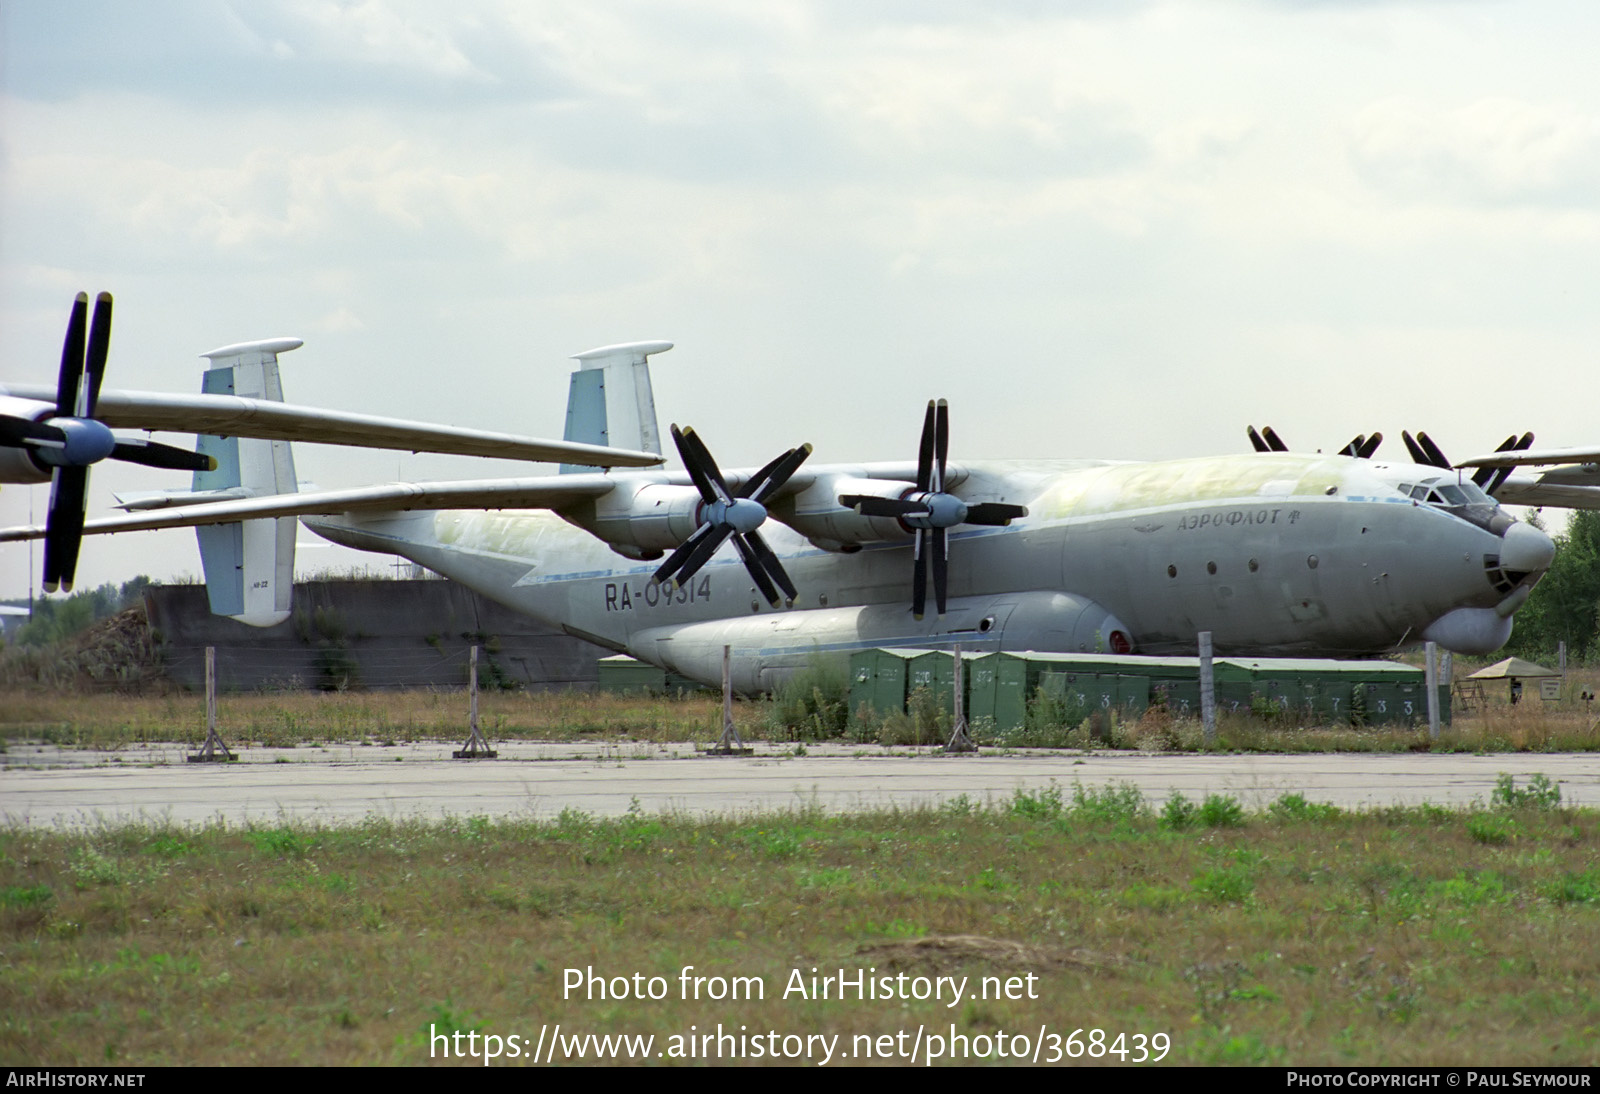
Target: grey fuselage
(1274, 554)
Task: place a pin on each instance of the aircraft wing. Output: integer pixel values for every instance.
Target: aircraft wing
(548, 492)
(1535, 456)
(1558, 488)
(237, 416)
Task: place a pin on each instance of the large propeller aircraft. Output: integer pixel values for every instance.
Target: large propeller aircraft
(1273, 552)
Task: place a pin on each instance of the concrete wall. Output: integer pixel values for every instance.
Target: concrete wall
(371, 634)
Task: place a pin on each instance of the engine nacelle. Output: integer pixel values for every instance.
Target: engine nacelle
(15, 463)
(816, 513)
(17, 466)
(656, 517)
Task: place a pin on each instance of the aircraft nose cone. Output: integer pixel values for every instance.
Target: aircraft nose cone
(1526, 550)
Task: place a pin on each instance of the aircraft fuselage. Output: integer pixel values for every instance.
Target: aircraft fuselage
(1274, 554)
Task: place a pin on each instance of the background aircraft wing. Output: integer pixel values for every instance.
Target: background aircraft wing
(551, 492)
(1536, 456)
(1554, 488)
(236, 416)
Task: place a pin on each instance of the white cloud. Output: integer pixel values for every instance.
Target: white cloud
(1492, 151)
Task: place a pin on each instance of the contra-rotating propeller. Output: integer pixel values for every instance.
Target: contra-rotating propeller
(726, 514)
(72, 439)
(928, 511)
(1362, 446)
(1489, 479)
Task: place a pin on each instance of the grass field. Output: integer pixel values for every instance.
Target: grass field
(1297, 935)
(107, 720)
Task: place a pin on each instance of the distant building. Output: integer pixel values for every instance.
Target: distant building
(12, 617)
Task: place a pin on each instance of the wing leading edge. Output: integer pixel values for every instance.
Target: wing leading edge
(551, 492)
(239, 416)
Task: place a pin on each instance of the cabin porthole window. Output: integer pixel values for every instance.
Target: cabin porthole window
(1311, 561)
(1254, 565)
(1172, 571)
(1211, 568)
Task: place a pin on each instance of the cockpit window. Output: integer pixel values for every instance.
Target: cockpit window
(1453, 495)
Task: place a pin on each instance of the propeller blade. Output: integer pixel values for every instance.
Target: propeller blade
(69, 498)
(1255, 440)
(925, 452)
(1366, 450)
(94, 366)
(1522, 444)
(994, 513)
(941, 444)
(679, 556)
(1485, 475)
(1353, 448)
(1417, 454)
(919, 578)
(154, 454)
(701, 467)
(776, 473)
(773, 567)
(759, 479)
(941, 567)
(1273, 439)
(72, 359)
(870, 506)
(1435, 455)
(22, 432)
(758, 573)
(701, 553)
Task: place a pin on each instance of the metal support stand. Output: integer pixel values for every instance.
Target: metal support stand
(1430, 655)
(214, 751)
(475, 748)
(960, 739)
(731, 743)
(1208, 691)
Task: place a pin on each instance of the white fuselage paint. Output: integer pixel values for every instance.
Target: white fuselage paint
(1275, 554)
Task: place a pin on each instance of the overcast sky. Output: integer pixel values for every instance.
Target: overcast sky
(1102, 228)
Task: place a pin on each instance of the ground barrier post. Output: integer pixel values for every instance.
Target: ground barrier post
(214, 750)
(476, 747)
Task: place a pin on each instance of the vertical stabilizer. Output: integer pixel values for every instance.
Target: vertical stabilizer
(610, 401)
(249, 566)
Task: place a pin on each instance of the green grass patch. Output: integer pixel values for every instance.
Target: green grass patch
(1292, 934)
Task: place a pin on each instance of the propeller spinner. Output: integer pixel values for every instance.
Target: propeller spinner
(928, 511)
(72, 439)
(729, 515)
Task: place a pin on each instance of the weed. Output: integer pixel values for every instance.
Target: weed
(1221, 811)
(1579, 888)
(1226, 884)
(1491, 828)
(813, 704)
(25, 896)
(1179, 812)
(1042, 804)
(1294, 807)
(1114, 803)
(1540, 793)
(281, 841)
